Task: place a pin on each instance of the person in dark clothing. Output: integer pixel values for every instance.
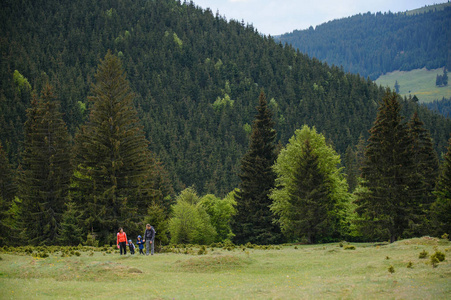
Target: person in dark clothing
(149, 238)
(140, 244)
(131, 246)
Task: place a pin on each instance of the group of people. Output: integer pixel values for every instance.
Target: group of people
(148, 239)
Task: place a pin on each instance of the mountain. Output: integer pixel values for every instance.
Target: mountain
(196, 78)
(374, 44)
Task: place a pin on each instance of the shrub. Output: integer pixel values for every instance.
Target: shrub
(349, 247)
(434, 261)
(439, 255)
(423, 254)
(410, 265)
(391, 269)
(77, 253)
(445, 236)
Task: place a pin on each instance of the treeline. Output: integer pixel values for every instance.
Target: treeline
(442, 107)
(374, 44)
(79, 194)
(195, 76)
(87, 147)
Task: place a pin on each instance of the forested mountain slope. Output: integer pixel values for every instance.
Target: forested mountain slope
(374, 44)
(197, 78)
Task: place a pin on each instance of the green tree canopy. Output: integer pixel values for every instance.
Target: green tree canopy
(441, 209)
(253, 221)
(311, 193)
(113, 164)
(190, 223)
(388, 198)
(46, 170)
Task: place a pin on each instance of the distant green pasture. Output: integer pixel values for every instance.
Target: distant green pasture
(326, 271)
(419, 82)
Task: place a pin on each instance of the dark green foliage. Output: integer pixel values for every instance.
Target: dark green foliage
(113, 164)
(441, 209)
(439, 255)
(387, 203)
(46, 170)
(442, 107)
(423, 254)
(426, 171)
(391, 269)
(373, 44)
(253, 221)
(70, 232)
(176, 84)
(8, 190)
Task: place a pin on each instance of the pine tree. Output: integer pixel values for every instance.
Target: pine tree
(426, 168)
(71, 233)
(8, 190)
(311, 193)
(441, 209)
(114, 167)
(253, 221)
(46, 170)
(388, 173)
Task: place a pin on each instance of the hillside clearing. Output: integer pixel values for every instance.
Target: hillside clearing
(419, 82)
(309, 271)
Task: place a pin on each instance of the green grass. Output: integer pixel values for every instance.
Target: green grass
(312, 271)
(419, 82)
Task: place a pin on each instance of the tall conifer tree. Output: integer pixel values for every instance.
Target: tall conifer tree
(46, 170)
(253, 221)
(426, 163)
(8, 190)
(441, 209)
(113, 164)
(388, 173)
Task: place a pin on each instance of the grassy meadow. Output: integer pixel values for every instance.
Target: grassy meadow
(419, 82)
(327, 271)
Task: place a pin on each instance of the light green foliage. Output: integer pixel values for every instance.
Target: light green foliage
(157, 217)
(177, 40)
(190, 223)
(21, 82)
(220, 212)
(285, 168)
(247, 128)
(225, 101)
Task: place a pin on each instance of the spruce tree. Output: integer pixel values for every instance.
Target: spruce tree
(8, 190)
(46, 170)
(441, 209)
(311, 193)
(426, 169)
(253, 221)
(114, 167)
(386, 203)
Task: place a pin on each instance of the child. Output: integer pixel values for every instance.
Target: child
(131, 246)
(140, 243)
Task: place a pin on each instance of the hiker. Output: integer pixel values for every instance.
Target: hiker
(131, 246)
(149, 238)
(122, 240)
(140, 243)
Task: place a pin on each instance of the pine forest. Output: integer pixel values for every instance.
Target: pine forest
(121, 113)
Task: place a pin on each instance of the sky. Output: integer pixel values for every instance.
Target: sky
(276, 17)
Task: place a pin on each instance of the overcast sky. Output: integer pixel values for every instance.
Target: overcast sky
(280, 16)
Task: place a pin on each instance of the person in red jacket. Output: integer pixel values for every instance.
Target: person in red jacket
(122, 240)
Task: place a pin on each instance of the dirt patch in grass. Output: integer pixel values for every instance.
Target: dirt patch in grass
(212, 263)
